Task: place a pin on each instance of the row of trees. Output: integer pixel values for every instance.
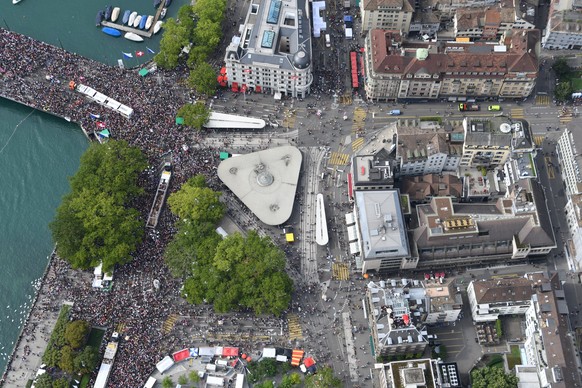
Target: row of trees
(493, 376)
(95, 221)
(233, 273)
(264, 371)
(67, 350)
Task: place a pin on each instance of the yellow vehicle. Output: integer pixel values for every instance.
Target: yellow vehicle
(494, 107)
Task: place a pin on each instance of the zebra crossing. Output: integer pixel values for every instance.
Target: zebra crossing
(339, 158)
(566, 119)
(289, 118)
(295, 331)
(517, 113)
(169, 323)
(357, 144)
(340, 271)
(543, 99)
(539, 139)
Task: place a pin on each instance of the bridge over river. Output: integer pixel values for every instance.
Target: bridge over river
(36, 74)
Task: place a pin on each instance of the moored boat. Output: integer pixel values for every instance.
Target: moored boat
(157, 3)
(158, 26)
(132, 18)
(111, 31)
(133, 37)
(163, 14)
(142, 22)
(16, 1)
(115, 14)
(125, 17)
(149, 22)
(168, 2)
(99, 18)
(137, 21)
(108, 11)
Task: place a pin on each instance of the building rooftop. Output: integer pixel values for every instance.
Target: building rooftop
(488, 132)
(411, 374)
(442, 296)
(265, 181)
(376, 169)
(381, 224)
(420, 188)
(418, 144)
(502, 290)
(275, 33)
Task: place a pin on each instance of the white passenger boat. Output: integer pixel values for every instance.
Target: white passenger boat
(16, 1)
(132, 18)
(133, 37)
(137, 21)
(115, 14)
(158, 26)
(149, 22)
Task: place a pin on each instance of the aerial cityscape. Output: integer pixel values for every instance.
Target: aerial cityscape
(293, 193)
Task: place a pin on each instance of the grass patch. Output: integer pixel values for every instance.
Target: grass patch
(576, 84)
(496, 361)
(85, 381)
(432, 118)
(95, 337)
(513, 358)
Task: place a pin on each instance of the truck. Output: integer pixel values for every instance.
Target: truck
(394, 112)
(468, 107)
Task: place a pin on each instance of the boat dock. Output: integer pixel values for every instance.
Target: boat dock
(160, 196)
(144, 33)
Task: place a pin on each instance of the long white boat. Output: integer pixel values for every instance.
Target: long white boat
(136, 21)
(149, 22)
(132, 17)
(158, 26)
(16, 1)
(133, 37)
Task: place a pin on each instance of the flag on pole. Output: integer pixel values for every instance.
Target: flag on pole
(94, 116)
(100, 124)
(127, 55)
(139, 53)
(150, 50)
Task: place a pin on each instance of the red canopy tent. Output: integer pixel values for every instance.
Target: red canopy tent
(309, 361)
(229, 352)
(181, 355)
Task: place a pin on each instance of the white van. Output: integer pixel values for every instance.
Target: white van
(327, 40)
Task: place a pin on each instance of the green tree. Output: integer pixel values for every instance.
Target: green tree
(185, 18)
(493, 377)
(167, 382)
(183, 380)
(195, 115)
(87, 360)
(66, 363)
(291, 380)
(44, 381)
(51, 356)
(193, 376)
(95, 221)
(561, 68)
(196, 204)
(323, 378)
(197, 55)
(61, 383)
(208, 33)
(213, 10)
(76, 333)
(563, 91)
(174, 39)
(203, 79)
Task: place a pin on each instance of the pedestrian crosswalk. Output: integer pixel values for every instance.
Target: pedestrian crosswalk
(517, 113)
(120, 327)
(340, 271)
(565, 119)
(169, 323)
(295, 331)
(543, 99)
(339, 158)
(357, 144)
(346, 99)
(539, 140)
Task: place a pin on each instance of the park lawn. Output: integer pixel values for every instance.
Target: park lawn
(496, 361)
(576, 84)
(95, 337)
(513, 358)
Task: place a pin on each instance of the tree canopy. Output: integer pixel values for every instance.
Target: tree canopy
(203, 79)
(76, 333)
(95, 221)
(194, 115)
(323, 378)
(232, 273)
(563, 91)
(561, 68)
(493, 377)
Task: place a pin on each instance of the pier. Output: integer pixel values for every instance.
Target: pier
(144, 33)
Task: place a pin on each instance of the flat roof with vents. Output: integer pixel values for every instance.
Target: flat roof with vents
(274, 11)
(268, 38)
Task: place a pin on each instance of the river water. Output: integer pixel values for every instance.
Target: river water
(39, 151)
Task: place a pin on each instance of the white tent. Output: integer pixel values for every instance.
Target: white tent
(165, 364)
(150, 383)
(269, 353)
(215, 381)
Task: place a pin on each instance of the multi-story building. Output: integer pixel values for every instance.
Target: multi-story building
(549, 346)
(510, 229)
(488, 141)
(381, 231)
(273, 52)
(492, 298)
(373, 172)
(488, 24)
(423, 188)
(427, 150)
(563, 30)
(570, 162)
(386, 14)
(413, 70)
(444, 304)
(425, 23)
(409, 374)
(394, 311)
